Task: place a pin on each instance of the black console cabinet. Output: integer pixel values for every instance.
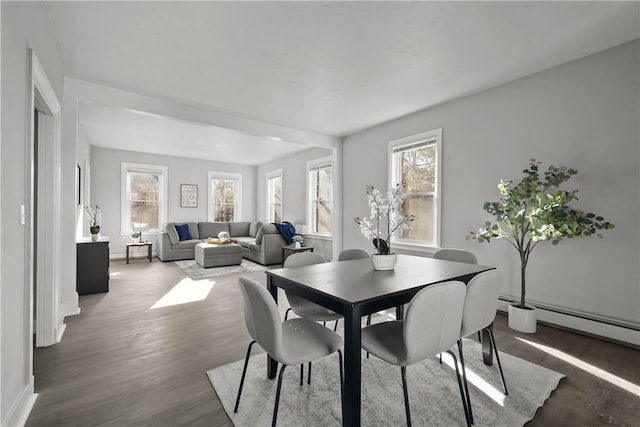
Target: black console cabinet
(92, 267)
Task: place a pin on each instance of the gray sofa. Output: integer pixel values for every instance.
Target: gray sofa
(261, 243)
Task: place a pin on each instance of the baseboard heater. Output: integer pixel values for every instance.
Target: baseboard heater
(616, 330)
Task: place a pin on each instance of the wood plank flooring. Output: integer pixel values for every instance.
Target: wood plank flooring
(123, 363)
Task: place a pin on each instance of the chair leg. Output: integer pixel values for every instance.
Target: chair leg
(495, 350)
(309, 374)
(403, 373)
(275, 407)
(464, 380)
(368, 320)
(461, 387)
(286, 314)
(244, 372)
(301, 373)
(341, 377)
(480, 336)
(440, 357)
(335, 327)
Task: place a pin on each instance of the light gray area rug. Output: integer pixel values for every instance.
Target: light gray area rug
(196, 272)
(433, 392)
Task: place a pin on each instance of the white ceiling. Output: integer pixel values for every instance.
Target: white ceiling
(131, 130)
(325, 67)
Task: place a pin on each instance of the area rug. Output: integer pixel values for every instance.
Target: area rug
(433, 392)
(196, 272)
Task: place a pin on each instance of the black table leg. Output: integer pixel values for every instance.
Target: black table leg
(487, 350)
(127, 254)
(149, 252)
(352, 354)
(400, 312)
(272, 365)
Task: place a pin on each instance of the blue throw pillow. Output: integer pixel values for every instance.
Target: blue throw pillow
(183, 232)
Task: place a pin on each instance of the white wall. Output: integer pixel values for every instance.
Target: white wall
(294, 192)
(105, 189)
(582, 114)
(24, 25)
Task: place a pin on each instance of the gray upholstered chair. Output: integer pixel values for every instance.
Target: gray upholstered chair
(292, 342)
(458, 255)
(349, 254)
(300, 306)
(431, 326)
(480, 306)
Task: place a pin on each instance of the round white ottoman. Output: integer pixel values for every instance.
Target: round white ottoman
(210, 255)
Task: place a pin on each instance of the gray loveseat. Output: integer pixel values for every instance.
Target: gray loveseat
(261, 243)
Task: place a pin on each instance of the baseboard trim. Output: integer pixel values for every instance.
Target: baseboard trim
(21, 407)
(70, 306)
(60, 332)
(608, 329)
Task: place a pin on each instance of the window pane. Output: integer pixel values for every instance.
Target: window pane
(275, 198)
(418, 167)
(144, 189)
(321, 179)
(224, 191)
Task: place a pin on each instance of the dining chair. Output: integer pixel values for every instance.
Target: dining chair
(431, 326)
(292, 342)
(304, 308)
(458, 255)
(480, 306)
(349, 254)
(300, 306)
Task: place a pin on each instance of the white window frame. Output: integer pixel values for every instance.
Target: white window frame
(311, 165)
(237, 208)
(125, 208)
(432, 137)
(269, 176)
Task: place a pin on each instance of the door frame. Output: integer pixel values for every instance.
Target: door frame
(48, 321)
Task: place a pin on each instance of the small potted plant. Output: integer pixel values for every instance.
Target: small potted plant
(95, 217)
(533, 211)
(298, 240)
(223, 236)
(388, 211)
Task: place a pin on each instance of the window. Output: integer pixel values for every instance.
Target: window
(144, 196)
(274, 196)
(320, 195)
(225, 196)
(416, 161)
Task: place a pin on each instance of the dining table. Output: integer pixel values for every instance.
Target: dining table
(354, 289)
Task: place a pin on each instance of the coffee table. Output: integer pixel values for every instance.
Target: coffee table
(212, 255)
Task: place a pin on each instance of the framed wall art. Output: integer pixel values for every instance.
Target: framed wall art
(188, 196)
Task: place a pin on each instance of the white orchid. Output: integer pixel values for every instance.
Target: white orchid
(380, 207)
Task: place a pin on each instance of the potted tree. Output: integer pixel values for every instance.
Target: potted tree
(531, 211)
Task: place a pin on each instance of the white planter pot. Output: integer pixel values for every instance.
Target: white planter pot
(384, 262)
(297, 245)
(95, 237)
(522, 319)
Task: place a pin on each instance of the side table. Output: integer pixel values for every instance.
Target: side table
(139, 245)
(288, 250)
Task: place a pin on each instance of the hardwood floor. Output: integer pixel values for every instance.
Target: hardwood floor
(122, 362)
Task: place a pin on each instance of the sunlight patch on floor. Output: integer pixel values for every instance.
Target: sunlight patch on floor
(593, 370)
(185, 291)
(473, 378)
(114, 274)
